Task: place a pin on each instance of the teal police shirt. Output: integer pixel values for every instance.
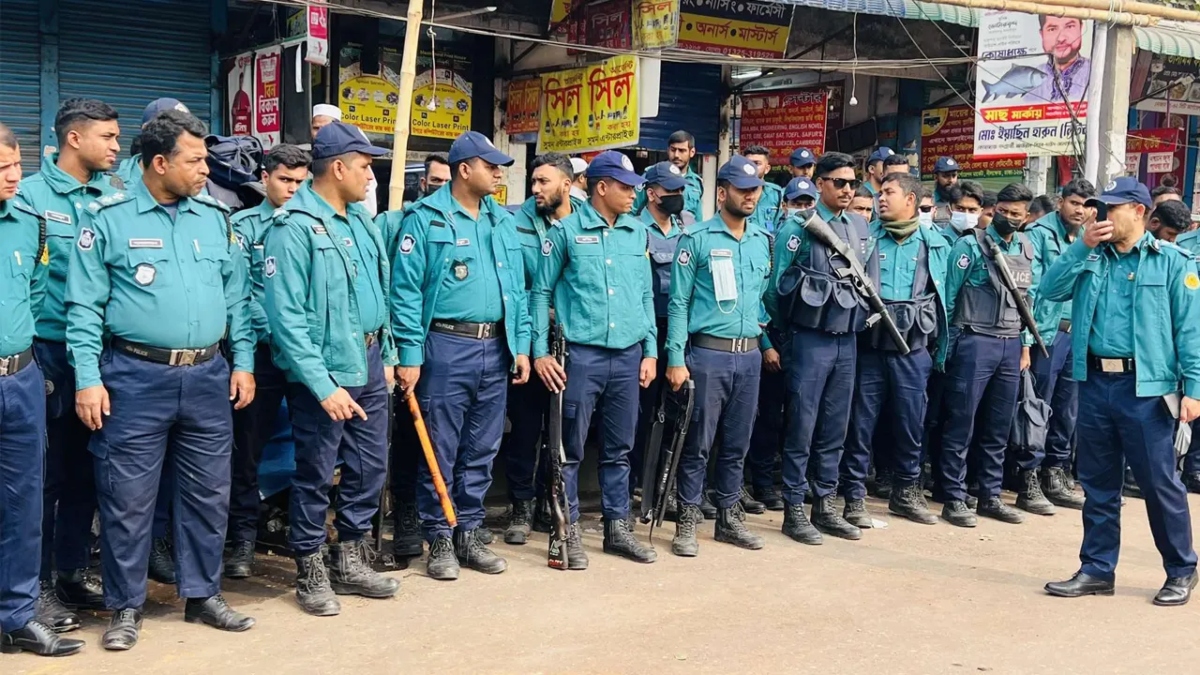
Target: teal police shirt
(139, 274)
(1112, 330)
(694, 307)
(23, 275)
(130, 169)
(251, 227)
(599, 280)
(766, 213)
(898, 267)
(533, 228)
(61, 200)
(1049, 239)
(323, 279)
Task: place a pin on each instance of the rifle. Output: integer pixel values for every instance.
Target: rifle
(666, 476)
(552, 446)
(1006, 278)
(650, 461)
(820, 231)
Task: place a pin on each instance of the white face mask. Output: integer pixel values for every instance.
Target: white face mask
(961, 222)
(925, 217)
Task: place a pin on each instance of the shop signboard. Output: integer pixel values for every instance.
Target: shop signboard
(316, 42)
(524, 104)
(782, 121)
(441, 105)
(746, 28)
(602, 24)
(268, 114)
(655, 24)
(590, 108)
(1164, 83)
(1156, 151)
(240, 114)
(948, 132)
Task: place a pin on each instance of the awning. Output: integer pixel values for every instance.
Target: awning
(1170, 38)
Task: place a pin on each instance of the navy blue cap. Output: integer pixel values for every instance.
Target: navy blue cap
(741, 173)
(946, 165)
(880, 154)
(800, 187)
(612, 164)
(339, 138)
(1124, 190)
(473, 144)
(803, 157)
(666, 175)
(159, 105)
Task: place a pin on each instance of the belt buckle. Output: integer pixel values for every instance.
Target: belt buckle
(739, 345)
(481, 331)
(5, 364)
(183, 357)
(1112, 365)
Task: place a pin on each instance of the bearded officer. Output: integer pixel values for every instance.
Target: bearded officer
(156, 281)
(462, 320)
(596, 270)
(718, 279)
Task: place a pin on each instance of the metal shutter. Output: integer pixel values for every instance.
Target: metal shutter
(689, 99)
(20, 80)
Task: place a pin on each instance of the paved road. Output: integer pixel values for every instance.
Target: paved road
(906, 599)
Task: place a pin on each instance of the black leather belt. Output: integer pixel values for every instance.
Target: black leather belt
(11, 365)
(1064, 325)
(731, 345)
(479, 331)
(1107, 365)
(169, 357)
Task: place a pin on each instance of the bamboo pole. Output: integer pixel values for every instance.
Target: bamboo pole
(1131, 7)
(408, 74)
(1119, 18)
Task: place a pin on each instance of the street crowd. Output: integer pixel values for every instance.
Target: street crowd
(832, 335)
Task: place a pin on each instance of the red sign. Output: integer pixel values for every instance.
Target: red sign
(317, 39)
(524, 104)
(950, 132)
(267, 118)
(604, 24)
(1154, 151)
(784, 121)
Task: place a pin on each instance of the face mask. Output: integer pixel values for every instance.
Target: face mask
(926, 217)
(672, 205)
(1004, 227)
(430, 189)
(961, 222)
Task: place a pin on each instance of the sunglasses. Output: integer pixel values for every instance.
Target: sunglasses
(925, 209)
(841, 183)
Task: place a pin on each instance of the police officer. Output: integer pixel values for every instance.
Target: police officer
(71, 179)
(770, 204)
(681, 149)
(285, 169)
(1050, 236)
(326, 277)
(945, 175)
(130, 169)
(156, 281)
(912, 267)
(22, 418)
(718, 280)
(823, 312)
(527, 403)
(462, 320)
(1133, 318)
(985, 358)
(594, 266)
(875, 170)
(802, 163)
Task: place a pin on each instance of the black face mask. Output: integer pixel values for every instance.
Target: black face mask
(1004, 226)
(672, 205)
(430, 189)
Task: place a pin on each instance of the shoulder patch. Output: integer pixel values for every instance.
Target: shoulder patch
(212, 201)
(547, 247)
(269, 266)
(793, 243)
(685, 257)
(109, 200)
(1191, 281)
(964, 261)
(407, 244)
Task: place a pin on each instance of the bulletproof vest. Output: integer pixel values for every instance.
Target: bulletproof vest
(662, 254)
(991, 309)
(941, 214)
(822, 300)
(916, 318)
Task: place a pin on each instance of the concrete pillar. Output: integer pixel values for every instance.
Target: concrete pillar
(1113, 107)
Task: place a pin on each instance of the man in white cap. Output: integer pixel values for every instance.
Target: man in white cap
(323, 114)
(579, 166)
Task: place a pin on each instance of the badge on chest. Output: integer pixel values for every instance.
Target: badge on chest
(144, 274)
(460, 270)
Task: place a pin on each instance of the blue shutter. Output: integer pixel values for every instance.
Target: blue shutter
(688, 100)
(20, 81)
(130, 53)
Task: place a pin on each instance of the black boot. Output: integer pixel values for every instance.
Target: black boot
(908, 501)
(883, 483)
(473, 553)
(38, 638)
(1131, 488)
(770, 498)
(520, 522)
(1191, 480)
(542, 520)
(576, 557)
(123, 630)
(406, 531)
(50, 611)
(856, 514)
(797, 526)
(214, 611)
(240, 561)
(484, 535)
(751, 505)
(313, 591)
(956, 513)
(443, 564)
(706, 506)
(731, 529)
(684, 544)
(1059, 489)
(994, 508)
(618, 540)
(1030, 497)
(350, 572)
(162, 561)
(826, 519)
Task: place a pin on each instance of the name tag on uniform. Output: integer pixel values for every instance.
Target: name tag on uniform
(882, 257)
(587, 240)
(145, 243)
(720, 253)
(463, 242)
(58, 217)
(348, 242)
(318, 229)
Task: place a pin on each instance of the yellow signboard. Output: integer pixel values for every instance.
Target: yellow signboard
(444, 111)
(655, 23)
(590, 108)
(441, 106)
(369, 101)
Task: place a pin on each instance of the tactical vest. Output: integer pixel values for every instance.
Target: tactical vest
(991, 309)
(941, 214)
(916, 318)
(662, 255)
(821, 300)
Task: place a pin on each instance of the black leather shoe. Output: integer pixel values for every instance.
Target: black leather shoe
(856, 514)
(1079, 585)
(38, 638)
(443, 563)
(957, 513)
(750, 504)
(406, 532)
(706, 505)
(162, 561)
(475, 554)
(996, 509)
(215, 612)
(1177, 591)
(123, 629)
(770, 498)
(79, 590)
(50, 611)
(239, 563)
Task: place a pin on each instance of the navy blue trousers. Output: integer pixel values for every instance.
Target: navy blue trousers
(767, 437)
(1052, 380)
(162, 503)
(70, 491)
(253, 427)
(980, 399)
(1191, 461)
(405, 455)
(726, 399)
(527, 406)
(890, 387)
(162, 414)
(605, 378)
(359, 446)
(820, 385)
(1118, 427)
(22, 455)
(462, 392)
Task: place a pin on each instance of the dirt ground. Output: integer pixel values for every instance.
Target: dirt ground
(906, 599)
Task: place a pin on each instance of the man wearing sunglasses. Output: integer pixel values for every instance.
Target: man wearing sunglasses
(824, 312)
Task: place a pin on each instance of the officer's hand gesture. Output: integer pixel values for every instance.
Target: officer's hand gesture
(522, 368)
(771, 361)
(1025, 359)
(677, 376)
(1097, 234)
(341, 407)
(648, 372)
(92, 406)
(551, 373)
(241, 389)
(408, 376)
(1189, 409)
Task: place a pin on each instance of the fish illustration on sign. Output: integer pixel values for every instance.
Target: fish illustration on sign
(1018, 81)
